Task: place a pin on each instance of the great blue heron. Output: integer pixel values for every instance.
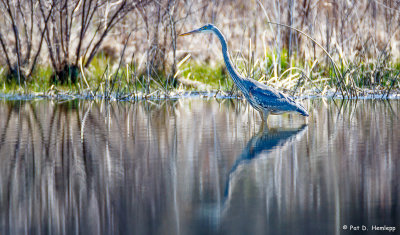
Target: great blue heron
(263, 98)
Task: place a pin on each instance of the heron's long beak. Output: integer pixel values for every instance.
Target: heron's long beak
(191, 32)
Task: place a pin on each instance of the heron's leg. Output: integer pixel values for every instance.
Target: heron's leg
(264, 124)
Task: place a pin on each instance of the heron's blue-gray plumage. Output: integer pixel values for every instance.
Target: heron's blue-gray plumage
(263, 98)
(265, 141)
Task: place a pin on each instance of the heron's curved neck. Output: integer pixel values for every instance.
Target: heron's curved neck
(229, 66)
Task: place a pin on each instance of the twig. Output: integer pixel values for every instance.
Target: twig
(41, 42)
(393, 82)
(120, 62)
(17, 43)
(83, 76)
(3, 46)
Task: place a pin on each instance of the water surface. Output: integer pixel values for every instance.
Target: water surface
(197, 167)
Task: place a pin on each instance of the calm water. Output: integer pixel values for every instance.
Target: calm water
(197, 167)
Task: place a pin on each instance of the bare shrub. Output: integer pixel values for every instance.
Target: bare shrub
(20, 42)
(77, 29)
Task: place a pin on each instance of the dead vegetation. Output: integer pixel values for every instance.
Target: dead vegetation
(362, 37)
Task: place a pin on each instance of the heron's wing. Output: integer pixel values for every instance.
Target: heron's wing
(268, 97)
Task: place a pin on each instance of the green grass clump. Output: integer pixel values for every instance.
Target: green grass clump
(214, 76)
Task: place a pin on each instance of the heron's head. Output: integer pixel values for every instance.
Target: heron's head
(205, 29)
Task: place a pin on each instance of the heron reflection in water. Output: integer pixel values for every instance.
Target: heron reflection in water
(266, 141)
(263, 98)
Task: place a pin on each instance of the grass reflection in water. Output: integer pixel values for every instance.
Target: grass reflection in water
(196, 167)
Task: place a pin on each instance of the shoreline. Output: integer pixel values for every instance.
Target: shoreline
(158, 95)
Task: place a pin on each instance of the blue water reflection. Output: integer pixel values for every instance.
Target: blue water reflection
(197, 167)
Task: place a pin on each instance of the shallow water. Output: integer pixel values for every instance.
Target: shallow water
(197, 166)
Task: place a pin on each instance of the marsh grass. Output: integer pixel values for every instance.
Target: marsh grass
(105, 79)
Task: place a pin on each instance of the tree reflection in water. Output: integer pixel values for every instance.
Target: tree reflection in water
(163, 167)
